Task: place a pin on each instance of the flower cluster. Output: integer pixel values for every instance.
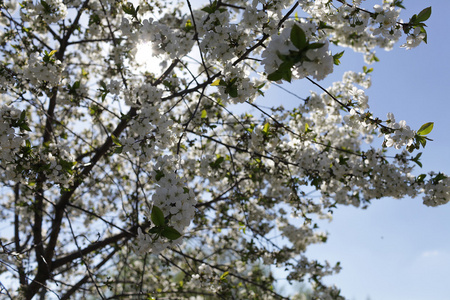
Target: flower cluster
(148, 131)
(301, 237)
(437, 190)
(413, 40)
(10, 140)
(236, 88)
(175, 201)
(312, 59)
(43, 69)
(385, 18)
(165, 40)
(206, 278)
(402, 134)
(50, 11)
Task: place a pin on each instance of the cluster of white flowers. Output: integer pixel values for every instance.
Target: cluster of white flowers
(413, 40)
(206, 278)
(314, 268)
(174, 199)
(150, 129)
(5, 81)
(10, 140)
(437, 193)
(59, 164)
(55, 161)
(50, 11)
(360, 97)
(402, 135)
(37, 71)
(165, 40)
(114, 87)
(172, 196)
(11, 7)
(360, 78)
(238, 80)
(218, 43)
(301, 237)
(362, 30)
(318, 62)
(148, 93)
(386, 18)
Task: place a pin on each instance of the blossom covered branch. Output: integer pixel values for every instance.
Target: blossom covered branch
(111, 167)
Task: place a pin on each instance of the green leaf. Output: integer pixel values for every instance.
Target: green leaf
(398, 3)
(423, 15)
(323, 25)
(207, 9)
(24, 126)
(298, 37)
(217, 162)
(425, 128)
(283, 72)
(224, 276)
(156, 229)
(266, 128)
(159, 175)
(438, 178)
(416, 159)
(421, 178)
(285, 68)
(94, 19)
(232, 91)
(275, 76)
(170, 233)
(157, 216)
(315, 45)
(23, 115)
(307, 128)
(129, 8)
(287, 75)
(46, 7)
(188, 26)
(421, 141)
(422, 30)
(337, 57)
(118, 150)
(212, 8)
(367, 70)
(115, 140)
(374, 58)
(216, 82)
(204, 114)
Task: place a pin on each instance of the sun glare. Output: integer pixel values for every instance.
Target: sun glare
(144, 56)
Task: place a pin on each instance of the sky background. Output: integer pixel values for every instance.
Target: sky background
(396, 249)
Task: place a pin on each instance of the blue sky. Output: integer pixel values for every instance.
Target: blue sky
(398, 249)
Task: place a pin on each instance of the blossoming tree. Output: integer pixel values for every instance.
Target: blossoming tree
(125, 182)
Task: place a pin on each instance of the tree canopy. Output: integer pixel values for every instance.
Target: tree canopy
(123, 180)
